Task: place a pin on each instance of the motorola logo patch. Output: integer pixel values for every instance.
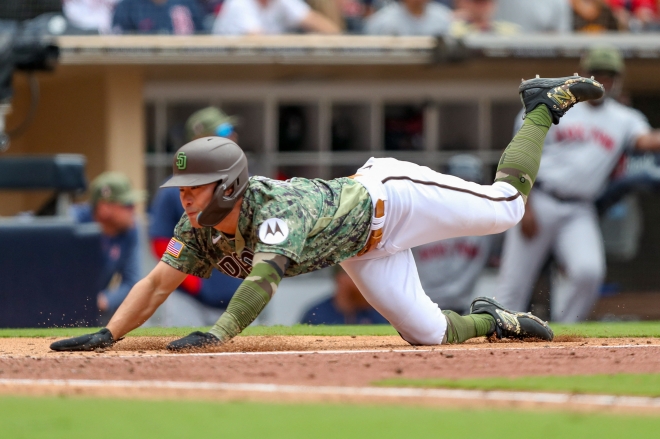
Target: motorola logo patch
(273, 231)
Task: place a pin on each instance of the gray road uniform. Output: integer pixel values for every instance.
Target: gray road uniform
(578, 158)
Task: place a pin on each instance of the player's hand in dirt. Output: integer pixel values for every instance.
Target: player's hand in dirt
(529, 226)
(88, 342)
(195, 340)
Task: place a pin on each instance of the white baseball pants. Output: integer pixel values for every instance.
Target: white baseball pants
(421, 206)
(571, 231)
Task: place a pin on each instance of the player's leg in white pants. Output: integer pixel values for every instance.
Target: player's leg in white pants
(422, 206)
(522, 257)
(391, 285)
(579, 249)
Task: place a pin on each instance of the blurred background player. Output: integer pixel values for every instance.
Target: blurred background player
(347, 306)
(112, 205)
(197, 302)
(449, 269)
(578, 158)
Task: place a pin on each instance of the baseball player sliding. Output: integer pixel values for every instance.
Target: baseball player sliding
(578, 158)
(262, 230)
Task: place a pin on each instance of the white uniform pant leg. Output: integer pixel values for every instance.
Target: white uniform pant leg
(391, 285)
(426, 206)
(579, 249)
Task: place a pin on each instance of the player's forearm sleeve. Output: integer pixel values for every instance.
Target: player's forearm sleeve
(520, 161)
(251, 297)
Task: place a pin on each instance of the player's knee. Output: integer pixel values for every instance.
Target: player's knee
(425, 336)
(512, 216)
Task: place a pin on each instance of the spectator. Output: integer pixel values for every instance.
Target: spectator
(353, 13)
(271, 17)
(476, 16)
(449, 269)
(410, 17)
(210, 7)
(346, 307)
(330, 9)
(179, 17)
(593, 16)
(112, 206)
(634, 15)
(90, 15)
(537, 16)
(197, 302)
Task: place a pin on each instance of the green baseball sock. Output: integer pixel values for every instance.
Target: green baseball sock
(461, 328)
(521, 159)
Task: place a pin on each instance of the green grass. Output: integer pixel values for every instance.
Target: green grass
(609, 329)
(73, 418)
(590, 329)
(619, 384)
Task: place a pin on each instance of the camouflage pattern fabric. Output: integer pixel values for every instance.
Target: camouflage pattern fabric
(323, 222)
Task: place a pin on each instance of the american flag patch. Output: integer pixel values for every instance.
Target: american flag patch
(175, 247)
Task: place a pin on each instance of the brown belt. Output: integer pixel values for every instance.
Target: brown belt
(374, 235)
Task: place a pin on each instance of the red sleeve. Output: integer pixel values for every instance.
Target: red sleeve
(191, 284)
(636, 4)
(158, 246)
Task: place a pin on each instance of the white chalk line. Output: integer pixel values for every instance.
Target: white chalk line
(393, 392)
(442, 349)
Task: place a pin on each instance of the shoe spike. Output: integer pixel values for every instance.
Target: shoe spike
(537, 76)
(575, 74)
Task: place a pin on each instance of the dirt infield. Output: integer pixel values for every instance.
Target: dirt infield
(247, 366)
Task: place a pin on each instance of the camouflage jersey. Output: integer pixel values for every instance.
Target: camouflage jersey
(315, 223)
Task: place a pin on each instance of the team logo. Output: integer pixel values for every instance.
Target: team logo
(181, 161)
(273, 231)
(561, 96)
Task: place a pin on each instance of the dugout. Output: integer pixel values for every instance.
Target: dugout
(122, 100)
(49, 264)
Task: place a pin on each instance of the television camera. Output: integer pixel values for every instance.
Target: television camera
(26, 46)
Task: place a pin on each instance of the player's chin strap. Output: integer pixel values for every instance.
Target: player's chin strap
(252, 295)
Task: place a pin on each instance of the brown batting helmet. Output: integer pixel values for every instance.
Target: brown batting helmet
(209, 160)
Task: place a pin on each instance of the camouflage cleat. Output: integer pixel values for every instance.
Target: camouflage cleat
(194, 340)
(511, 324)
(558, 94)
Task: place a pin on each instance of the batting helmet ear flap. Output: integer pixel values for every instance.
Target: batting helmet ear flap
(221, 205)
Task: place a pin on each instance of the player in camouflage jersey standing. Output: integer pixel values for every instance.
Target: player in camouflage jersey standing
(262, 230)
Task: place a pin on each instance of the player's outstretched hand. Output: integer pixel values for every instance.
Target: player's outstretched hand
(88, 342)
(195, 340)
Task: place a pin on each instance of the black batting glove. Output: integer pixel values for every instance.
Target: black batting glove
(88, 342)
(195, 340)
